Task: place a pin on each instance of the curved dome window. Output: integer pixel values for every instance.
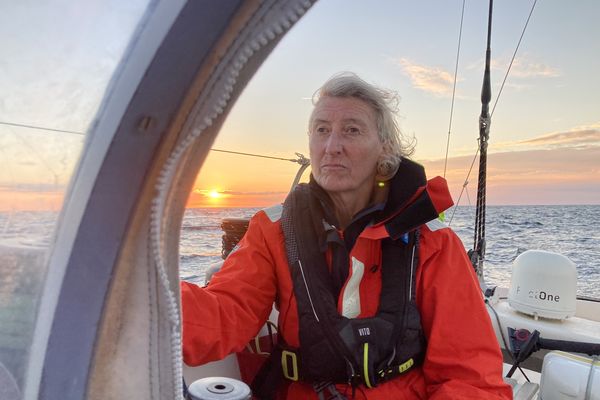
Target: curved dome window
(58, 58)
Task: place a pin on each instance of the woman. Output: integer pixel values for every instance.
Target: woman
(376, 297)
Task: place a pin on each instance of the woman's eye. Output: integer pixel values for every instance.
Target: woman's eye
(352, 130)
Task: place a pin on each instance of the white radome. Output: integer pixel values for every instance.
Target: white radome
(543, 284)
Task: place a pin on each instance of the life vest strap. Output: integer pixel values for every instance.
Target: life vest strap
(289, 365)
(321, 387)
(290, 361)
(393, 371)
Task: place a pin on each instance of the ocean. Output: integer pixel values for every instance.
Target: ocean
(573, 231)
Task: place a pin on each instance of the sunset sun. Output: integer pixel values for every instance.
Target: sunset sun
(214, 194)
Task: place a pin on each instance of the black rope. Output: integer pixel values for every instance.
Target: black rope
(506, 346)
(462, 15)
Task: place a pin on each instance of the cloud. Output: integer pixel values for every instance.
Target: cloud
(552, 176)
(517, 86)
(523, 67)
(595, 125)
(580, 137)
(440, 82)
(429, 79)
(28, 163)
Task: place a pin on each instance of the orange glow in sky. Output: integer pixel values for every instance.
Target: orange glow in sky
(228, 180)
(527, 177)
(30, 201)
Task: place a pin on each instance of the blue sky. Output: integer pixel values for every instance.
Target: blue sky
(549, 103)
(545, 133)
(411, 47)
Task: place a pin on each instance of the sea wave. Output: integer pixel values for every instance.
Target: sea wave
(200, 227)
(510, 230)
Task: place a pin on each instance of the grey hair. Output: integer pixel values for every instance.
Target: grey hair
(385, 104)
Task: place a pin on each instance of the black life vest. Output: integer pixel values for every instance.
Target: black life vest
(359, 350)
(334, 348)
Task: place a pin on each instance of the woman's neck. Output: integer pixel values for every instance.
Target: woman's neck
(348, 204)
(345, 209)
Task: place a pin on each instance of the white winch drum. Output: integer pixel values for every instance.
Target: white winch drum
(569, 376)
(219, 388)
(543, 284)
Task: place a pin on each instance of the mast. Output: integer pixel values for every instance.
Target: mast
(477, 255)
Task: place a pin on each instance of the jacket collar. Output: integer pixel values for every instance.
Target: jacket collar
(411, 202)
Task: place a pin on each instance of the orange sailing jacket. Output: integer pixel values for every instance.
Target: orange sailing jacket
(462, 361)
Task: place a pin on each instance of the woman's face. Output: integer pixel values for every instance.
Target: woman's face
(344, 145)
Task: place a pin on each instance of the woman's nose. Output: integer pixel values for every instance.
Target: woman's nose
(334, 145)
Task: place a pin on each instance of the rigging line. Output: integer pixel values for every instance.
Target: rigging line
(462, 15)
(254, 155)
(464, 186)
(513, 57)
(495, 103)
(40, 156)
(467, 193)
(40, 128)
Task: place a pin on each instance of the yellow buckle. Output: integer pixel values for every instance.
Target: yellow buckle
(285, 354)
(406, 365)
(402, 368)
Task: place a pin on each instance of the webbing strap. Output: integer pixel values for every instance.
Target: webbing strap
(322, 387)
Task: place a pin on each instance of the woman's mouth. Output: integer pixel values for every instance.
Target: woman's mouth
(332, 167)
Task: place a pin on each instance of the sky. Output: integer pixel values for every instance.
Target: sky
(545, 130)
(57, 59)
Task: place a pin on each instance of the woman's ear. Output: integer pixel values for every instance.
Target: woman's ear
(386, 168)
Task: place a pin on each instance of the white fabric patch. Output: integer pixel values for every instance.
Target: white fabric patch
(351, 299)
(436, 224)
(274, 212)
